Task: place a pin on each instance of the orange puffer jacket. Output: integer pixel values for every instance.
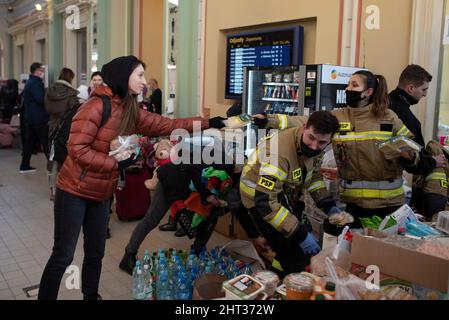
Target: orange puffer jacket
(89, 172)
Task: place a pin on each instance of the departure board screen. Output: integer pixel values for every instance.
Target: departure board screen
(274, 48)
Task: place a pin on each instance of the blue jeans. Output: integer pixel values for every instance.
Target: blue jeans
(72, 213)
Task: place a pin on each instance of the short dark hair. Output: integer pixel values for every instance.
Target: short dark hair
(414, 74)
(66, 74)
(323, 122)
(35, 66)
(96, 73)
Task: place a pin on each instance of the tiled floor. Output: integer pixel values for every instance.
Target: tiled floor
(26, 236)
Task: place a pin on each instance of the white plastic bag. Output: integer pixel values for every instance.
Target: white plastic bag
(124, 146)
(348, 288)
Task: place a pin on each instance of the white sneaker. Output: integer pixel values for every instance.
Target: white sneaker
(27, 170)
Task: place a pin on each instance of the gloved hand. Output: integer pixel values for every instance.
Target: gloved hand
(310, 245)
(333, 211)
(122, 165)
(260, 120)
(217, 122)
(339, 217)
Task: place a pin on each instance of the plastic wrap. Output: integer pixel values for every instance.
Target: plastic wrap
(123, 147)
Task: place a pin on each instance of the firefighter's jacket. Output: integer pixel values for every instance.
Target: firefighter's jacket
(277, 167)
(367, 178)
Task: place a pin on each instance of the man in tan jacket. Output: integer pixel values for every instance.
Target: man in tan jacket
(272, 181)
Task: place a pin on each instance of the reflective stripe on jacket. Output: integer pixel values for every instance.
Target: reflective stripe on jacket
(270, 172)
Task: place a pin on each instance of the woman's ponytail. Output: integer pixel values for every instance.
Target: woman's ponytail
(380, 98)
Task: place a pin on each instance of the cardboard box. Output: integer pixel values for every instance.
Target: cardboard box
(209, 287)
(415, 267)
(414, 289)
(229, 226)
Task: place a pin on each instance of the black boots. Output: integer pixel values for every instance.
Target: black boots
(180, 233)
(170, 226)
(128, 262)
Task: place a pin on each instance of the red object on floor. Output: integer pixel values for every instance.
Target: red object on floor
(134, 200)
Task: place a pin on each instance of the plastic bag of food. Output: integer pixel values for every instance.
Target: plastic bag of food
(237, 121)
(123, 147)
(393, 148)
(352, 287)
(339, 254)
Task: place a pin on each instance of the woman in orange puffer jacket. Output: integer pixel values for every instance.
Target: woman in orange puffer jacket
(89, 175)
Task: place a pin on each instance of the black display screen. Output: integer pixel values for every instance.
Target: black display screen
(273, 48)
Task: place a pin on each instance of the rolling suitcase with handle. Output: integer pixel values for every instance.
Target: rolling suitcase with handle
(133, 201)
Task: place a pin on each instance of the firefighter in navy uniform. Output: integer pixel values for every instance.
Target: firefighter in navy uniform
(272, 182)
(370, 184)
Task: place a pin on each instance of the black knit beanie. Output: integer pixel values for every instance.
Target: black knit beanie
(117, 72)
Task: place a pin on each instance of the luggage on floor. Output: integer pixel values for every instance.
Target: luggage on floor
(133, 200)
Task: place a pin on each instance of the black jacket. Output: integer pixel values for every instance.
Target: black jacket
(401, 102)
(33, 99)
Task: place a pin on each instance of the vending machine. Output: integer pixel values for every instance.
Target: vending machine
(323, 86)
(270, 90)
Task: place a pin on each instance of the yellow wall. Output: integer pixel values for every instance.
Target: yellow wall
(387, 50)
(321, 37)
(152, 34)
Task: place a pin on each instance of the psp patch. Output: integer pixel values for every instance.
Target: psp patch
(266, 183)
(444, 184)
(345, 126)
(297, 174)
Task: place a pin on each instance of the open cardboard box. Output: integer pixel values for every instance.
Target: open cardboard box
(209, 287)
(418, 268)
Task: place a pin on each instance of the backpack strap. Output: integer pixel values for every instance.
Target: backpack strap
(106, 110)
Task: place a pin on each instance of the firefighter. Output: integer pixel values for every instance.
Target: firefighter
(370, 184)
(282, 166)
(434, 186)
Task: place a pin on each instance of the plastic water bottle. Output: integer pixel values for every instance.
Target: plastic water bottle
(222, 270)
(209, 267)
(138, 282)
(202, 263)
(191, 262)
(183, 288)
(230, 268)
(175, 270)
(194, 273)
(147, 261)
(247, 269)
(148, 275)
(163, 290)
(148, 282)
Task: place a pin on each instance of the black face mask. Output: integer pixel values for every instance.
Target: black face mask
(308, 152)
(353, 98)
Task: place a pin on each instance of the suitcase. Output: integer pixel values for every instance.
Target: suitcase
(133, 201)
